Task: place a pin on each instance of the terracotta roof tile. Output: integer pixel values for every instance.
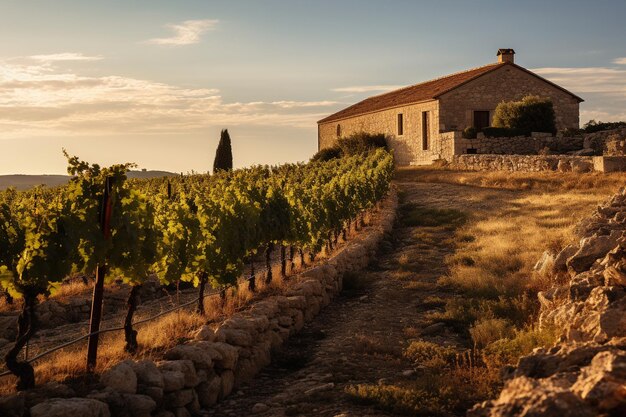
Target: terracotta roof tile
(428, 90)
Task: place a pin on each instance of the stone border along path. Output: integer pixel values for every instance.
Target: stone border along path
(360, 338)
(195, 375)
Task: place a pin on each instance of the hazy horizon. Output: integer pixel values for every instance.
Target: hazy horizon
(154, 82)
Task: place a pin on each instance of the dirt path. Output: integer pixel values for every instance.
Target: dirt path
(360, 337)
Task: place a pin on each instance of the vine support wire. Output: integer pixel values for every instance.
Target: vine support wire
(119, 328)
(221, 293)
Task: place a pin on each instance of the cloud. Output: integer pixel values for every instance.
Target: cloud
(604, 116)
(44, 100)
(65, 56)
(587, 79)
(620, 61)
(603, 88)
(185, 33)
(366, 88)
(297, 104)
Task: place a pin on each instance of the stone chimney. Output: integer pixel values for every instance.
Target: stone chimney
(506, 55)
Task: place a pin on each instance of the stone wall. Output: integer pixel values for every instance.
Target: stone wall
(197, 374)
(606, 142)
(504, 84)
(584, 374)
(523, 163)
(407, 148)
(519, 145)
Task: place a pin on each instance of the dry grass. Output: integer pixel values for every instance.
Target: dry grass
(491, 274)
(493, 263)
(374, 345)
(443, 388)
(546, 181)
(153, 338)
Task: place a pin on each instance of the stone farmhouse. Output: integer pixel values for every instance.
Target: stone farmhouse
(424, 121)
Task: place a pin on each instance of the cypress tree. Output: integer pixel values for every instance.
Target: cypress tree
(223, 154)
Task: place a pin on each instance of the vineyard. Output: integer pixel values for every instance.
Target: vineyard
(196, 229)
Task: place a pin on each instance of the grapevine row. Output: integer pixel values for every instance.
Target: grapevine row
(201, 229)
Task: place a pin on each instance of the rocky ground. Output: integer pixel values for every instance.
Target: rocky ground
(361, 336)
(584, 374)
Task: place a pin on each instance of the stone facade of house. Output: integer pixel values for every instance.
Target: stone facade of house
(408, 147)
(508, 83)
(445, 107)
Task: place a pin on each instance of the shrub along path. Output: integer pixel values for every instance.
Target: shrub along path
(350, 361)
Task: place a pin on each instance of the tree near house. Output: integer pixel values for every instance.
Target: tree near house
(223, 154)
(530, 114)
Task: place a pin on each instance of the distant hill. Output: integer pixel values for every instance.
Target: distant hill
(24, 182)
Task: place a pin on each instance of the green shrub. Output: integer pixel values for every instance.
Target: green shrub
(592, 126)
(397, 400)
(572, 131)
(531, 114)
(430, 354)
(469, 132)
(487, 331)
(355, 144)
(361, 142)
(503, 132)
(508, 351)
(327, 154)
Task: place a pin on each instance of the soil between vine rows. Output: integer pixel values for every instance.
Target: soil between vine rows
(359, 338)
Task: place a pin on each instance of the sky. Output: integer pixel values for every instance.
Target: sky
(154, 81)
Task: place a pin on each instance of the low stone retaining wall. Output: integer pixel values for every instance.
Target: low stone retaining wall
(520, 145)
(584, 374)
(197, 374)
(522, 163)
(599, 141)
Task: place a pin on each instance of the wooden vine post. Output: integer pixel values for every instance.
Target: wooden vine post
(98, 290)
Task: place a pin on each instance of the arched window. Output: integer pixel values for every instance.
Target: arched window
(338, 131)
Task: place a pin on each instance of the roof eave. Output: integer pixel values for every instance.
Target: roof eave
(331, 119)
(580, 100)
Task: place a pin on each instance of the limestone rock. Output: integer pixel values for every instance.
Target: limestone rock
(179, 398)
(183, 366)
(139, 405)
(148, 373)
(121, 378)
(526, 397)
(229, 353)
(259, 408)
(70, 407)
(545, 265)
(564, 165)
(182, 412)
(580, 166)
(603, 383)
(164, 413)
(560, 261)
(201, 358)
(13, 405)
(591, 249)
(206, 333)
(234, 336)
(209, 392)
(173, 380)
(155, 393)
(228, 382)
